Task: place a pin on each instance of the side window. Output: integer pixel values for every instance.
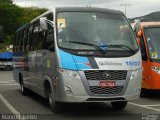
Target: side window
(30, 34)
(25, 39)
(35, 36)
(49, 41)
(143, 49)
(46, 37)
(41, 37)
(21, 40)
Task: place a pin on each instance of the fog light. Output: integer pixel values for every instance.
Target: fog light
(68, 91)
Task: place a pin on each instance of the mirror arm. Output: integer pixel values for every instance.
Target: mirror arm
(50, 22)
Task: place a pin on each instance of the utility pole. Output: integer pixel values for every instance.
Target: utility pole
(125, 5)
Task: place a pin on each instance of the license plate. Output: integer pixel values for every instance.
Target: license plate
(105, 83)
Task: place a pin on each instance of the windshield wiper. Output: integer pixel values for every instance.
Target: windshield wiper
(120, 46)
(93, 45)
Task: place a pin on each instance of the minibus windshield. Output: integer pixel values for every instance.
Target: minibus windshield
(82, 30)
(153, 41)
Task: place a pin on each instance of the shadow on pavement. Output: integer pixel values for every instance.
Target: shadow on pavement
(79, 111)
(150, 94)
(82, 109)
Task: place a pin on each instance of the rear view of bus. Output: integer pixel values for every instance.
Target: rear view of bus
(149, 36)
(89, 55)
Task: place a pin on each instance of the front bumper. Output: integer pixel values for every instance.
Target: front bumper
(79, 91)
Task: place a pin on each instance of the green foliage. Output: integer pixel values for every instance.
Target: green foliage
(12, 17)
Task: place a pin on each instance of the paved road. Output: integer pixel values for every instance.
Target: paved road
(12, 102)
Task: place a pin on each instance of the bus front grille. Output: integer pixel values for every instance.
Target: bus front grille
(107, 90)
(105, 74)
(98, 75)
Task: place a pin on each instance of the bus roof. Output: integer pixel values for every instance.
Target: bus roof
(71, 9)
(87, 8)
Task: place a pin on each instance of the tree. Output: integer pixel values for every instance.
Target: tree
(12, 17)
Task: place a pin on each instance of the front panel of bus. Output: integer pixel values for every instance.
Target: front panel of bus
(151, 73)
(98, 57)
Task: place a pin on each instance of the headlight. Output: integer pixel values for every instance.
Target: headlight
(70, 73)
(135, 73)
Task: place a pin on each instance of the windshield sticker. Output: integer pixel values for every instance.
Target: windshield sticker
(154, 55)
(61, 23)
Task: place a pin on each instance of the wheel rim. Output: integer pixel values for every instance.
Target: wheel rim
(50, 99)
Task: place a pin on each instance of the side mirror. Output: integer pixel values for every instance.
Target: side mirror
(43, 23)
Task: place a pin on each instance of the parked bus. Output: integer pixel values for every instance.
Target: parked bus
(149, 39)
(79, 54)
(6, 61)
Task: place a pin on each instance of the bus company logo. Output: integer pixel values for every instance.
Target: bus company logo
(156, 69)
(110, 63)
(107, 75)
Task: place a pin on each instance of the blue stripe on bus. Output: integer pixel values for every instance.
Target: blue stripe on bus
(73, 62)
(82, 62)
(66, 60)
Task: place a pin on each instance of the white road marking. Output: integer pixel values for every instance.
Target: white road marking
(4, 82)
(146, 107)
(152, 105)
(8, 105)
(11, 80)
(8, 84)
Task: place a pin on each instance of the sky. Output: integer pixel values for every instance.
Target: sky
(135, 8)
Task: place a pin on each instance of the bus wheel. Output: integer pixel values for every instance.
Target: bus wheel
(119, 105)
(23, 89)
(54, 105)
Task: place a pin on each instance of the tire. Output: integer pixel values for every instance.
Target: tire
(119, 105)
(55, 106)
(24, 90)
